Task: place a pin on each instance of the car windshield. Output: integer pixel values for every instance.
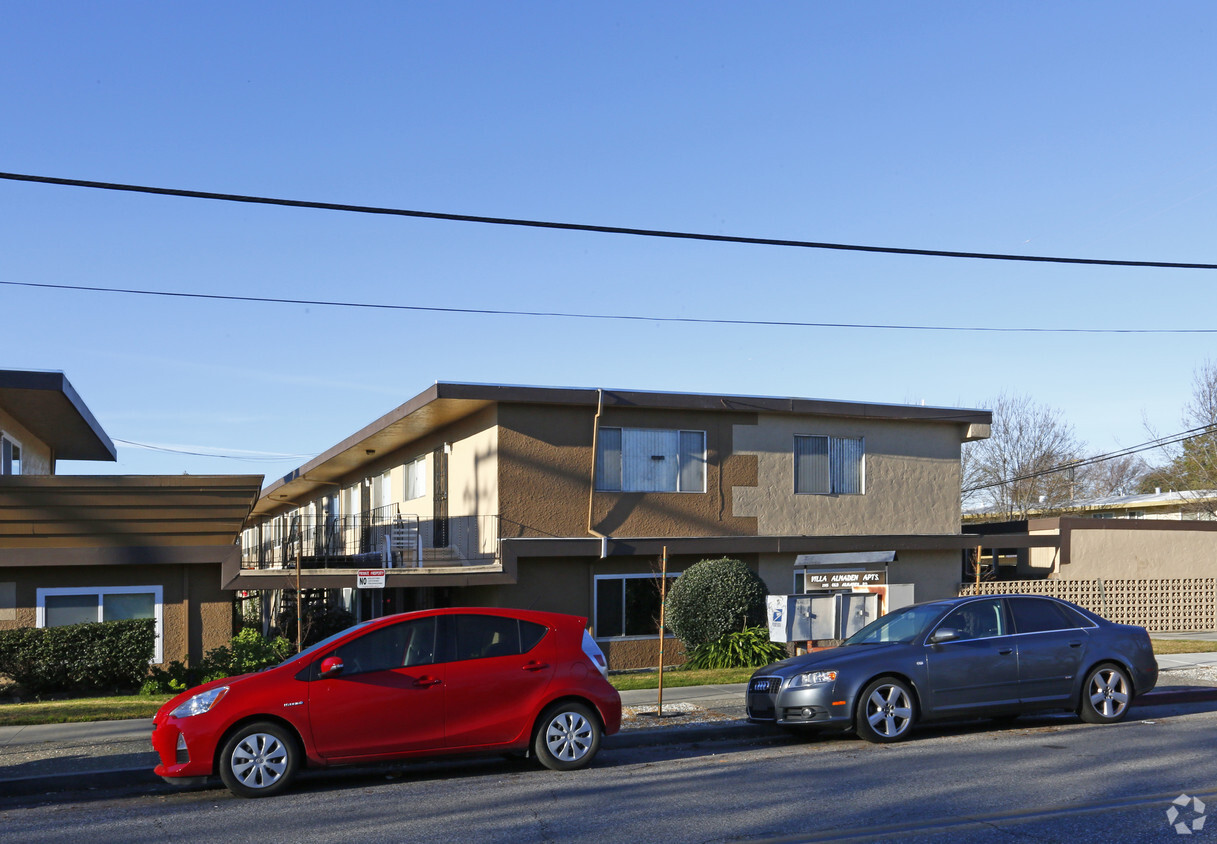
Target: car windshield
(902, 625)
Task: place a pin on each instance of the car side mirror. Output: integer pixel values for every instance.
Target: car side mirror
(944, 634)
(331, 666)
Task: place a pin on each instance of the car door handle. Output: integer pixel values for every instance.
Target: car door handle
(1005, 651)
(427, 680)
(535, 666)
(1075, 644)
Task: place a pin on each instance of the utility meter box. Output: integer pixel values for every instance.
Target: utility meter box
(805, 618)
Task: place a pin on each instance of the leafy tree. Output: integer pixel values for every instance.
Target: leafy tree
(713, 598)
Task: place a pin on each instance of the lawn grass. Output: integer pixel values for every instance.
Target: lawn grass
(80, 709)
(138, 706)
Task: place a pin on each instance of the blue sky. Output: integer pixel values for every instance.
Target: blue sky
(1076, 129)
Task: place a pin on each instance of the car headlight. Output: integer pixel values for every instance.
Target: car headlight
(200, 703)
(812, 678)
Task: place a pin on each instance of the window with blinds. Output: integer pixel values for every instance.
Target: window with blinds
(650, 460)
(828, 465)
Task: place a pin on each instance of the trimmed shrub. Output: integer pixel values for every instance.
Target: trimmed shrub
(105, 656)
(713, 598)
(246, 653)
(748, 648)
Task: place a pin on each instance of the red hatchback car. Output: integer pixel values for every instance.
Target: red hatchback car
(429, 683)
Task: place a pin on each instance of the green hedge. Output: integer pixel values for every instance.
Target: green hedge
(103, 656)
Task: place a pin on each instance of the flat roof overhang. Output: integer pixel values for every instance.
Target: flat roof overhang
(44, 516)
(47, 405)
(444, 403)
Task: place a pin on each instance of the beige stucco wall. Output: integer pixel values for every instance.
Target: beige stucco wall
(911, 480)
(1140, 554)
(35, 454)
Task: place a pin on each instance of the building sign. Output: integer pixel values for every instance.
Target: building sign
(842, 579)
(370, 579)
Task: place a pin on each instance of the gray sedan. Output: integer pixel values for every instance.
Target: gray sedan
(989, 655)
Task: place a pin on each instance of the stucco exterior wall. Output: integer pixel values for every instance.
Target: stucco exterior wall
(196, 613)
(35, 454)
(545, 474)
(1140, 554)
(911, 479)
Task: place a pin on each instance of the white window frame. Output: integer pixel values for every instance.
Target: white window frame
(101, 591)
(611, 474)
(833, 468)
(6, 460)
(414, 485)
(622, 578)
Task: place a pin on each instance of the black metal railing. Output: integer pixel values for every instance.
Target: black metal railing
(383, 538)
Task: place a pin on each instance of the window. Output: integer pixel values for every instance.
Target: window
(828, 465)
(399, 645)
(60, 606)
(1035, 615)
(977, 620)
(416, 479)
(10, 456)
(487, 636)
(650, 460)
(628, 605)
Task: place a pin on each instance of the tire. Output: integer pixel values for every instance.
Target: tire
(885, 711)
(259, 760)
(568, 737)
(1106, 695)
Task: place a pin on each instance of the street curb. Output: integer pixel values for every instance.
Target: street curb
(737, 730)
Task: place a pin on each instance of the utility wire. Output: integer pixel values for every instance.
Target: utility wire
(1161, 442)
(585, 227)
(269, 458)
(625, 317)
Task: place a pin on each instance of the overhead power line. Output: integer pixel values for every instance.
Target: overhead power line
(586, 227)
(251, 457)
(1161, 442)
(626, 317)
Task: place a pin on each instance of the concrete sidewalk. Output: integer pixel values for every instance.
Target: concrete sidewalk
(116, 754)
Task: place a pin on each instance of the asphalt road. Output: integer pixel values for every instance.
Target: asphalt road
(1038, 779)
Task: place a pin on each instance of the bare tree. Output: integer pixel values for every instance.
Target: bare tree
(1120, 475)
(1015, 470)
(1191, 465)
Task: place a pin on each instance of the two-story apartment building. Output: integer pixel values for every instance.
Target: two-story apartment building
(566, 499)
(101, 547)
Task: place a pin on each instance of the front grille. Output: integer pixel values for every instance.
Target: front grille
(765, 685)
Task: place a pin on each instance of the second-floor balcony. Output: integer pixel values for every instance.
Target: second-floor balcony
(383, 538)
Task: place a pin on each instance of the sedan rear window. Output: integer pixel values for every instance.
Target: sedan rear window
(1036, 615)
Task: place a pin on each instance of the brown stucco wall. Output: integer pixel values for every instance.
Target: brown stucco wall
(545, 465)
(197, 614)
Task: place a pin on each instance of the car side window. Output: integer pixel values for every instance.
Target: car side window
(977, 620)
(1036, 615)
(486, 636)
(396, 646)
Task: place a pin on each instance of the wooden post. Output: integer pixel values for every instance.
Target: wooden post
(299, 608)
(663, 595)
(978, 568)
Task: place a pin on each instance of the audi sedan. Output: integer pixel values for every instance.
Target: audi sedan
(421, 684)
(990, 655)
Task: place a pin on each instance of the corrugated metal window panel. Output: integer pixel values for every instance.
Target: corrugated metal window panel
(811, 462)
(692, 461)
(608, 459)
(649, 460)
